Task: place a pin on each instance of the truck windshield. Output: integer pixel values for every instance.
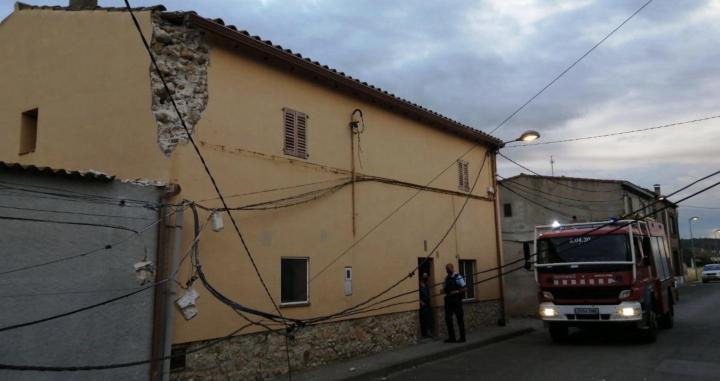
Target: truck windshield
(602, 248)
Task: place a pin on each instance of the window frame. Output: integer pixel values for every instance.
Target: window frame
(28, 131)
(463, 175)
(469, 281)
(295, 151)
(507, 209)
(306, 302)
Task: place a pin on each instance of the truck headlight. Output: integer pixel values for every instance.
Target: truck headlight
(548, 312)
(627, 311)
(625, 294)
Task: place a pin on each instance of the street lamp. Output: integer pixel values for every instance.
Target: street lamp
(526, 136)
(692, 244)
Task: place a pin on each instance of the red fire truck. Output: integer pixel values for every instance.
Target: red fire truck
(615, 272)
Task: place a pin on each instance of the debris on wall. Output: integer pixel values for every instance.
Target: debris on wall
(182, 54)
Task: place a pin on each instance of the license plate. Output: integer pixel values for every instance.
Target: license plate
(587, 311)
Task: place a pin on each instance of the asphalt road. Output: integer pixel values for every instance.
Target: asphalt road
(689, 351)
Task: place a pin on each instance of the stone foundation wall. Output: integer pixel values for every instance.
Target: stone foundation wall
(261, 356)
(477, 315)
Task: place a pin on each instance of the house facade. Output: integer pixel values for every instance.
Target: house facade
(527, 201)
(339, 188)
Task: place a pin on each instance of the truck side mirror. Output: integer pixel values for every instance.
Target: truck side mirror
(526, 255)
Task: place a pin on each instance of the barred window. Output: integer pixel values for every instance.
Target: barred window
(463, 177)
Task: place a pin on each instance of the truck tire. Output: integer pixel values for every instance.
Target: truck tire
(648, 333)
(558, 332)
(667, 321)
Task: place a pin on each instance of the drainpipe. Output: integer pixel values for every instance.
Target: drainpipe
(498, 242)
(169, 240)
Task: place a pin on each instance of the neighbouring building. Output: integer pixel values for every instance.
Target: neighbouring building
(527, 201)
(340, 188)
(71, 239)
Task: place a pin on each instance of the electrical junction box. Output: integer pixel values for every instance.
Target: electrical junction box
(348, 281)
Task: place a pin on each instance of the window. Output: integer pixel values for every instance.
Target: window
(671, 226)
(463, 178)
(177, 361)
(467, 270)
(295, 133)
(28, 131)
(294, 281)
(507, 210)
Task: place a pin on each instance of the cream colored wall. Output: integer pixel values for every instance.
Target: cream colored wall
(244, 118)
(88, 74)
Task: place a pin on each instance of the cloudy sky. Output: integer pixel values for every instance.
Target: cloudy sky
(476, 61)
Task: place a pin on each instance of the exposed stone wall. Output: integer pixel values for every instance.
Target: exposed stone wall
(182, 54)
(477, 315)
(261, 356)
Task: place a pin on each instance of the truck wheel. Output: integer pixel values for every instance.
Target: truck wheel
(558, 333)
(649, 332)
(667, 321)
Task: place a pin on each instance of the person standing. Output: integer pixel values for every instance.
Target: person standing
(425, 309)
(454, 289)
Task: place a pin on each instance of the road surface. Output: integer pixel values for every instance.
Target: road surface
(690, 351)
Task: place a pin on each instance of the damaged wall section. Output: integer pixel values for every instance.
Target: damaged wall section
(182, 54)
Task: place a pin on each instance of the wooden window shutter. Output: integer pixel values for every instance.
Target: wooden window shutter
(295, 133)
(463, 176)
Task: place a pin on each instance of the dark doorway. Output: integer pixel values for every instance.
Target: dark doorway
(425, 266)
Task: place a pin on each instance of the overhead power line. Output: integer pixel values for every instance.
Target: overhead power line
(550, 178)
(569, 68)
(615, 133)
(200, 156)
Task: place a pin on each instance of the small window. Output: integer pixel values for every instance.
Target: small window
(463, 177)
(28, 131)
(507, 210)
(177, 359)
(467, 270)
(295, 133)
(294, 281)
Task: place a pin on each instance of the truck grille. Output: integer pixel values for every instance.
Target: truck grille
(586, 292)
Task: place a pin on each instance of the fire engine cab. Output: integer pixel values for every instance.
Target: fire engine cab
(615, 272)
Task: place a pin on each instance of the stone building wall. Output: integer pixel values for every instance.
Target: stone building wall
(182, 54)
(261, 356)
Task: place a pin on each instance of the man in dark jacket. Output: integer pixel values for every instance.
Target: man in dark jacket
(454, 289)
(425, 309)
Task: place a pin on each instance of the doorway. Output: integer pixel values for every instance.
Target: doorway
(425, 266)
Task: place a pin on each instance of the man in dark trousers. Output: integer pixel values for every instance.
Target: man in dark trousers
(425, 309)
(454, 289)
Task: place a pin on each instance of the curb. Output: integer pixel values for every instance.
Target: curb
(451, 351)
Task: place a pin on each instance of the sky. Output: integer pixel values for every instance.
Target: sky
(476, 61)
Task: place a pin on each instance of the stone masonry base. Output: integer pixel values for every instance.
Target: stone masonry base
(261, 356)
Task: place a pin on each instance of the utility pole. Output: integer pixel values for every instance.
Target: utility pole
(552, 166)
(692, 245)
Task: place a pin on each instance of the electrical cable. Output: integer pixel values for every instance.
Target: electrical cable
(274, 189)
(412, 272)
(614, 133)
(25, 219)
(550, 178)
(72, 212)
(536, 190)
(75, 196)
(569, 68)
(85, 253)
(584, 208)
(81, 309)
(199, 155)
(38, 368)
